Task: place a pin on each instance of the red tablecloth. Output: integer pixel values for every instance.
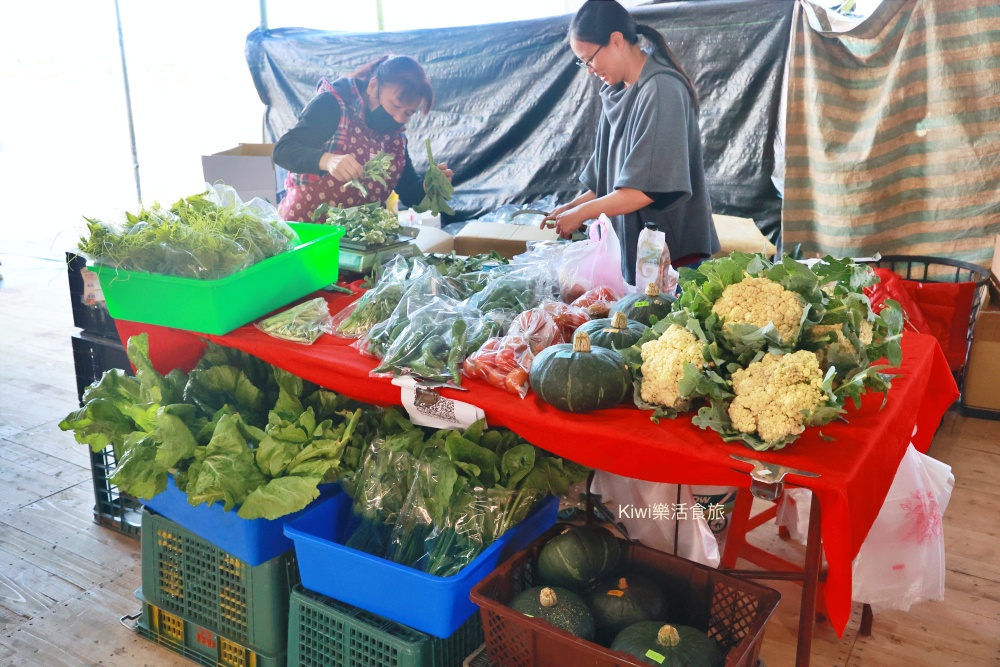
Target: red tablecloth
(856, 468)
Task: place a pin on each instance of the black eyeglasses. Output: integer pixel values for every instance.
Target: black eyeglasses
(587, 63)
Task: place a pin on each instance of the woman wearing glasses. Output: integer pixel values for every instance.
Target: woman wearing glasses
(348, 122)
(647, 163)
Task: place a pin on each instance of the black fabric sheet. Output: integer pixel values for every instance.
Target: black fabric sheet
(516, 118)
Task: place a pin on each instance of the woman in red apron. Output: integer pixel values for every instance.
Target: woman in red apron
(345, 125)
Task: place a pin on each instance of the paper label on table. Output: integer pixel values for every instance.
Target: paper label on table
(653, 655)
(426, 407)
(92, 293)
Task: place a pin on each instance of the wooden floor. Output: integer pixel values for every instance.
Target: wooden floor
(65, 581)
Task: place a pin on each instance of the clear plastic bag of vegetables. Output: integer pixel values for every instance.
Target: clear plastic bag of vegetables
(379, 490)
(439, 530)
(516, 288)
(378, 303)
(504, 362)
(416, 293)
(303, 323)
(538, 327)
(434, 342)
(447, 521)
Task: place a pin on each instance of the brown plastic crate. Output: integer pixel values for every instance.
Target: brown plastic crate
(734, 611)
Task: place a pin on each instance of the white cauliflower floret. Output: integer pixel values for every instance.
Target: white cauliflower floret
(758, 301)
(663, 362)
(866, 332)
(772, 393)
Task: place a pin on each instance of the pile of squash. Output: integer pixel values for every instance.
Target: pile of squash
(589, 373)
(587, 593)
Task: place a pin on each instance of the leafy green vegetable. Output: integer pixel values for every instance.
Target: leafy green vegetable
(437, 188)
(376, 169)
(371, 224)
(436, 500)
(212, 443)
(303, 323)
(195, 238)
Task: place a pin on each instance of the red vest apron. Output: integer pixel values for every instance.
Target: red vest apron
(304, 192)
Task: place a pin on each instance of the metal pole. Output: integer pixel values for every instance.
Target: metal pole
(263, 14)
(378, 13)
(128, 105)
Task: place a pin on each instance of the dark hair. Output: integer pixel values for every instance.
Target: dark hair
(596, 20)
(401, 71)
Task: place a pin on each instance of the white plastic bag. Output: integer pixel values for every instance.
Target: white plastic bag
(902, 560)
(793, 513)
(650, 511)
(595, 262)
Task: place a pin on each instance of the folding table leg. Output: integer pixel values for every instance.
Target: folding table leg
(810, 582)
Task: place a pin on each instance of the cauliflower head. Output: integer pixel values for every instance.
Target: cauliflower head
(663, 363)
(758, 301)
(772, 393)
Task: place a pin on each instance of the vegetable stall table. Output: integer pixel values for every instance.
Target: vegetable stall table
(855, 462)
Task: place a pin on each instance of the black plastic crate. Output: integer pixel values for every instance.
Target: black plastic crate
(112, 508)
(92, 355)
(92, 318)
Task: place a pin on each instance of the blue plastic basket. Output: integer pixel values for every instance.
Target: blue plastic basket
(253, 541)
(435, 605)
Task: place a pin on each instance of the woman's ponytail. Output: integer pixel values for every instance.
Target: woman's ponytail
(660, 44)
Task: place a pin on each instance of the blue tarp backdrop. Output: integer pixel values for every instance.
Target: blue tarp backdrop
(516, 118)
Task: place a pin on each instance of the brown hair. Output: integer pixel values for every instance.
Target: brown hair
(596, 20)
(403, 72)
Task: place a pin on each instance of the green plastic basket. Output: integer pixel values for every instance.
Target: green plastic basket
(219, 306)
(188, 576)
(197, 644)
(324, 632)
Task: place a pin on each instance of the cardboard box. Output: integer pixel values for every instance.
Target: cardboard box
(740, 235)
(982, 392)
(508, 240)
(994, 285)
(248, 168)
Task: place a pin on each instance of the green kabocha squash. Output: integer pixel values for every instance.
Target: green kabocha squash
(622, 601)
(578, 557)
(616, 332)
(655, 643)
(559, 607)
(579, 378)
(642, 306)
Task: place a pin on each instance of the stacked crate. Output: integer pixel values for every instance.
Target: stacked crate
(97, 348)
(208, 605)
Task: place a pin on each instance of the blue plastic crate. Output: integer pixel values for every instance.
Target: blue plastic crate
(253, 541)
(435, 605)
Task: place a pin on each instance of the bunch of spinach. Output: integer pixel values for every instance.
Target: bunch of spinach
(458, 492)
(195, 238)
(437, 188)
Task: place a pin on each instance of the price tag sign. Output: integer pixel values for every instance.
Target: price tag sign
(426, 407)
(92, 293)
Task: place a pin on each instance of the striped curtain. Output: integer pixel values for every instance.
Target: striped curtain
(893, 132)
